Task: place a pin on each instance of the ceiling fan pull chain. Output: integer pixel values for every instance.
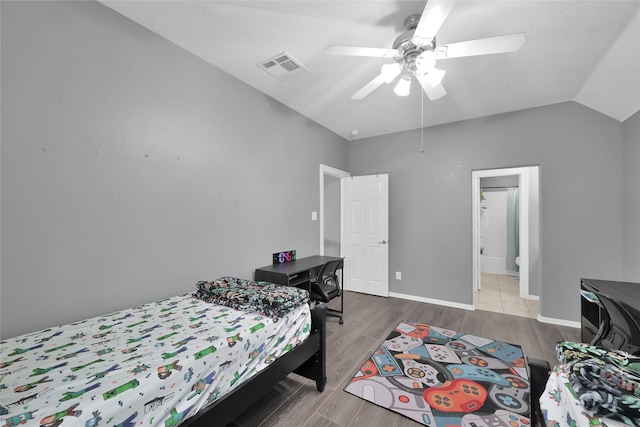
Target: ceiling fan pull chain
(422, 120)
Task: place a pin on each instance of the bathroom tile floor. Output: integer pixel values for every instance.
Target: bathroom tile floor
(500, 294)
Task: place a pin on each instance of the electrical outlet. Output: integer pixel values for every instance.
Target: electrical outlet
(398, 275)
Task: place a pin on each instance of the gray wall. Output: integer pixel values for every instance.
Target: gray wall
(132, 169)
(579, 154)
(499, 181)
(631, 198)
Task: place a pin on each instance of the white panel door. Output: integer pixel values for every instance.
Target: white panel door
(365, 240)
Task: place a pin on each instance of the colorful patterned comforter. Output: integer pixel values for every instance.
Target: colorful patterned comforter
(592, 386)
(155, 364)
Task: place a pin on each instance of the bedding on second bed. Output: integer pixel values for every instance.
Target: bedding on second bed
(592, 386)
(154, 364)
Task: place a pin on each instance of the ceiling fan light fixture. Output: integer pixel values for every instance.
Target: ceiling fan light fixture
(435, 77)
(415, 52)
(390, 72)
(425, 61)
(403, 88)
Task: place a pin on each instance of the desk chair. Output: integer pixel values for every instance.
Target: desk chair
(619, 330)
(327, 286)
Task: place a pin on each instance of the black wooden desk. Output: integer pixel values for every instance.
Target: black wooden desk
(297, 273)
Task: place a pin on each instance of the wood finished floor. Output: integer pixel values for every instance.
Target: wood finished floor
(368, 320)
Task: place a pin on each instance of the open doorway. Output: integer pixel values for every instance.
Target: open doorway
(369, 256)
(525, 299)
(330, 213)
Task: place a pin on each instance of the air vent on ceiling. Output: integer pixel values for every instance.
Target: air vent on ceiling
(283, 67)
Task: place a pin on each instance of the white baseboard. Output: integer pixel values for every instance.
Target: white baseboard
(542, 319)
(560, 322)
(433, 301)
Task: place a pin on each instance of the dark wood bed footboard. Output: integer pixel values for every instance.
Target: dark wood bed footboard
(307, 359)
(315, 368)
(539, 373)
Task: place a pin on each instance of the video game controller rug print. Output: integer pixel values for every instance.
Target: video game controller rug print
(440, 377)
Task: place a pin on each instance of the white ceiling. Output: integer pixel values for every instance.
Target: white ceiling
(585, 51)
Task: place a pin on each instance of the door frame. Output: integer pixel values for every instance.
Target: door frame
(528, 182)
(366, 269)
(336, 173)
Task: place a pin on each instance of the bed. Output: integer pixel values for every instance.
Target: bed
(590, 386)
(193, 359)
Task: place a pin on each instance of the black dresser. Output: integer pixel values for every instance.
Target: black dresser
(626, 294)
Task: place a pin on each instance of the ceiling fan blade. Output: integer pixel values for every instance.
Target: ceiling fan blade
(491, 45)
(369, 87)
(433, 92)
(434, 14)
(361, 51)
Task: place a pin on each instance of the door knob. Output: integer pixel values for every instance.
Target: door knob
(384, 242)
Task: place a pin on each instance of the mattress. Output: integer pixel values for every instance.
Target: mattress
(154, 364)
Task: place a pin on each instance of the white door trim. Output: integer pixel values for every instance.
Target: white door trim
(330, 171)
(525, 257)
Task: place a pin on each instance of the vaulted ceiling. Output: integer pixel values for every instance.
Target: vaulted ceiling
(584, 51)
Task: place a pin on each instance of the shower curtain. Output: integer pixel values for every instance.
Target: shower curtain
(513, 229)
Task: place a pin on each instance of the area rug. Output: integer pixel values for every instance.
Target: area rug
(440, 377)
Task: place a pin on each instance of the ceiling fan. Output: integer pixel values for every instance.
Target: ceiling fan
(415, 52)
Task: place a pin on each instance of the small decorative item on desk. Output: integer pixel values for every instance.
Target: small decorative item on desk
(282, 257)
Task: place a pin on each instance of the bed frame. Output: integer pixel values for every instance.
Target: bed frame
(307, 359)
(539, 371)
